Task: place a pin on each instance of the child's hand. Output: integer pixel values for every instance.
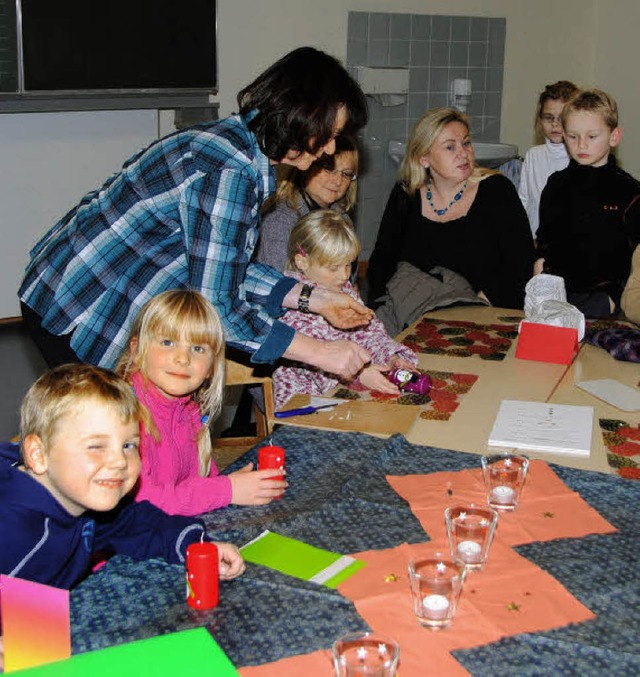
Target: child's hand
(397, 362)
(230, 562)
(249, 487)
(373, 378)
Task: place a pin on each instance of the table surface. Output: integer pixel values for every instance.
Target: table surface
(469, 426)
(339, 499)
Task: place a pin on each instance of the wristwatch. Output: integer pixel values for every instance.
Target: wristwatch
(303, 299)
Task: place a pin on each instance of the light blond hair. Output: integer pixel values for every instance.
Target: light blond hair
(292, 182)
(68, 388)
(424, 135)
(324, 236)
(177, 314)
(593, 101)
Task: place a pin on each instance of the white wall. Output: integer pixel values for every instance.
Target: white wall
(617, 53)
(48, 161)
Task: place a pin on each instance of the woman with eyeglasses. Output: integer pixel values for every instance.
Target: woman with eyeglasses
(330, 182)
(551, 156)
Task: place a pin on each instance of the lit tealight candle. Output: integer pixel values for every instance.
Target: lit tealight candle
(469, 551)
(436, 607)
(503, 495)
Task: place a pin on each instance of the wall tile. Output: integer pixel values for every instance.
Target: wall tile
(436, 49)
(495, 77)
(438, 99)
(358, 26)
(400, 27)
(460, 28)
(478, 53)
(418, 104)
(478, 80)
(418, 80)
(440, 53)
(459, 54)
(379, 26)
(357, 52)
(441, 27)
(378, 53)
(399, 52)
(479, 28)
(420, 27)
(439, 79)
(420, 53)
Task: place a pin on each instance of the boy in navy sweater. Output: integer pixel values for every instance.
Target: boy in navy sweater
(65, 497)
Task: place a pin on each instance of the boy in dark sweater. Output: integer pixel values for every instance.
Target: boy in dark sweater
(65, 496)
(590, 211)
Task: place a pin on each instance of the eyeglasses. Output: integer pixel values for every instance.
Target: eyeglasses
(551, 119)
(345, 174)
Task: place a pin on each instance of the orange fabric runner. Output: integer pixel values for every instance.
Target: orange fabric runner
(548, 509)
(509, 596)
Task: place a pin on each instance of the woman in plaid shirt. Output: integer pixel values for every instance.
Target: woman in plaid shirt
(185, 213)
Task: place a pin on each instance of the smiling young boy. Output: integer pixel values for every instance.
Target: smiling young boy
(589, 215)
(65, 496)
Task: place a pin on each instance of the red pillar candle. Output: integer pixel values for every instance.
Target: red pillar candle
(272, 457)
(202, 576)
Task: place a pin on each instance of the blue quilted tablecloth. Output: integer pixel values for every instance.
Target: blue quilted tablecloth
(339, 499)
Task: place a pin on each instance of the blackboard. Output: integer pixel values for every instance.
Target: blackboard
(118, 46)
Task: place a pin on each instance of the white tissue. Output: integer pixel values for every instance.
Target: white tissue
(546, 303)
(389, 99)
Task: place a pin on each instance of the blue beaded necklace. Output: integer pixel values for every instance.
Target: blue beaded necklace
(456, 197)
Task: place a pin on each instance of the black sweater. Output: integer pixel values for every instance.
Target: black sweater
(589, 226)
(491, 246)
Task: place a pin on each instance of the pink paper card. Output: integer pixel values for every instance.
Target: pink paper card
(35, 623)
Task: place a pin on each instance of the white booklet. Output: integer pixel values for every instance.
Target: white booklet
(613, 392)
(540, 426)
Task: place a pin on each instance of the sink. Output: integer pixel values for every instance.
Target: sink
(487, 154)
(494, 154)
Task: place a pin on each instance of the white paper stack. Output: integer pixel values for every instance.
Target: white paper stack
(539, 426)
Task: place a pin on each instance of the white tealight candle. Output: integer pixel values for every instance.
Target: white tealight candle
(436, 607)
(503, 495)
(469, 551)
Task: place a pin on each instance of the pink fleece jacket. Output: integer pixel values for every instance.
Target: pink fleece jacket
(169, 477)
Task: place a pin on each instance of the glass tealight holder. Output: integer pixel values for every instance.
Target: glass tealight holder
(470, 529)
(365, 654)
(504, 477)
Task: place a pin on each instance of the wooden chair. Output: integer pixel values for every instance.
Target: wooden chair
(239, 371)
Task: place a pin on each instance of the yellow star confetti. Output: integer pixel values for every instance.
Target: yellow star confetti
(548, 514)
(512, 606)
(390, 578)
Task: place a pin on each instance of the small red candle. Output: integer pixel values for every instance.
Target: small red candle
(202, 576)
(272, 457)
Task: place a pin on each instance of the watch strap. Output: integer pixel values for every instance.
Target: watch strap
(303, 299)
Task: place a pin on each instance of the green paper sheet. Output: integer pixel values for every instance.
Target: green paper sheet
(300, 560)
(191, 652)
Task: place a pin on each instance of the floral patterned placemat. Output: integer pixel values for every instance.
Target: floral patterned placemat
(623, 446)
(443, 399)
(459, 338)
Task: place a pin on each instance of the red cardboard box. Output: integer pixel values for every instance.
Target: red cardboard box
(545, 343)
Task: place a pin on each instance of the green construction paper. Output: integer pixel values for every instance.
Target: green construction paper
(296, 558)
(191, 652)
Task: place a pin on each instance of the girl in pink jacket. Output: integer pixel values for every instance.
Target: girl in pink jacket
(175, 362)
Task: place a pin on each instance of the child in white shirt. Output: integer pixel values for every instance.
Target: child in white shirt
(551, 156)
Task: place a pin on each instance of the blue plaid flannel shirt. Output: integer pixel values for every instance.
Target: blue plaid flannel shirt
(183, 213)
